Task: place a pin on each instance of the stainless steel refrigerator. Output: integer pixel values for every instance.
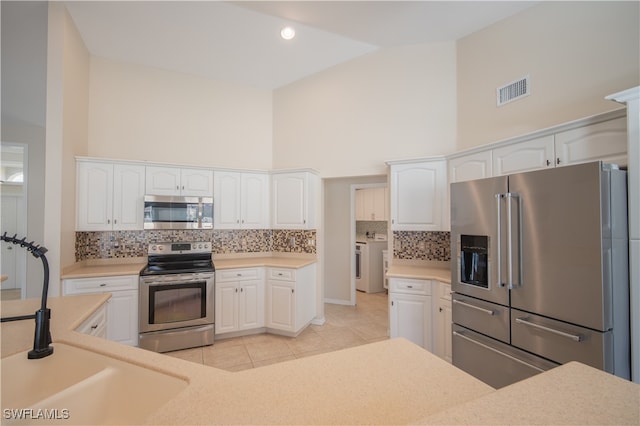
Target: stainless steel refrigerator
(540, 272)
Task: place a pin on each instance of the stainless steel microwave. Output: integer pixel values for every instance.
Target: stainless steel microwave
(172, 212)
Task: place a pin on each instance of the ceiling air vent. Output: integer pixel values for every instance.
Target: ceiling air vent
(514, 90)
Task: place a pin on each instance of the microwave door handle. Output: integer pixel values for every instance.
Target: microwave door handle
(499, 239)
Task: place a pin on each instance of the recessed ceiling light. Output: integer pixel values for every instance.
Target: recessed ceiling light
(288, 33)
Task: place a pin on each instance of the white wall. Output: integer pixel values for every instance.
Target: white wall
(143, 113)
(75, 129)
(575, 52)
(348, 120)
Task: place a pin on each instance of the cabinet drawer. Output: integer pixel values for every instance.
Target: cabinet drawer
(282, 274)
(229, 275)
(100, 284)
(488, 318)
(444, 290)
(96, 324)
(409, 286)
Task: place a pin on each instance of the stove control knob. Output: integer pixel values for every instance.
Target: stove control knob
(153, 248)
(160, 248)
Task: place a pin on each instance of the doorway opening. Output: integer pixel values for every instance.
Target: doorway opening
(13, 190)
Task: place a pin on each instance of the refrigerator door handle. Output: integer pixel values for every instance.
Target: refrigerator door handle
(510, 246)
(478, 308)
(512, 358)
(499, 197)
(574, 337)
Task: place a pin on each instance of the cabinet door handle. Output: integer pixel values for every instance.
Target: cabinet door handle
(440, 309)
(558, 160)
(236, 289)
(93, 327)
(409, 286)
(292, 291)
(103, 285)
(548, 163)
(241, 289)
(108, 221)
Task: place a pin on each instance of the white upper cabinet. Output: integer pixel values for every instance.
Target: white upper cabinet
(371, 204)
(110, 196)
(179, 181)
(418, 192)
(294, 200)
(533, 154)
(470, 167)
(241, 200)
(606, 141)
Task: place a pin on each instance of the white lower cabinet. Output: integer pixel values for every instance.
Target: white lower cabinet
(442, 321)
(410, 311)
(96, 324)
(239, 300)
(122, 307)
(291, 299)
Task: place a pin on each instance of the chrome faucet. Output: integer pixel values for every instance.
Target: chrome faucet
(42, 335)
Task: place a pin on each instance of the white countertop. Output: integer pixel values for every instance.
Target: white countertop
(400, 383)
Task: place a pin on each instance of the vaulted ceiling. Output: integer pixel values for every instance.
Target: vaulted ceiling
(239, 41)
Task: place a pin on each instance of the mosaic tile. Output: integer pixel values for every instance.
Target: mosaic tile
(123, 244)
(417, 245)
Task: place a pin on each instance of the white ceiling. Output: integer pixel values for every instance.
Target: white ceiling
(239, 41)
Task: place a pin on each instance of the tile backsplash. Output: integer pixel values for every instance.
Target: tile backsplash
(372, 227)
(418, 245)
(123, 244)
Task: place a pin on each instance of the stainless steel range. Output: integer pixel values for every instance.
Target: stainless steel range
(177, 297)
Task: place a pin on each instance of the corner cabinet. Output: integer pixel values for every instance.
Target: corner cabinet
(417, 195)
(179, 181)
(291, 299)
(122, 307)
(241, 200)
(239, 300)
(110, 196)
(294, 200)
(410, 311)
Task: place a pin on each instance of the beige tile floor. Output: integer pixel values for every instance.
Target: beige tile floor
(345, 326)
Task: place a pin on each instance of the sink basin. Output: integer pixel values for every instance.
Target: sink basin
(77, 386)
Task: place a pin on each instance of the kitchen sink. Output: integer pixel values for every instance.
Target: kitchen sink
(78, 386)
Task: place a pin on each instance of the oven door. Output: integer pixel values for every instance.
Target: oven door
(175, 301)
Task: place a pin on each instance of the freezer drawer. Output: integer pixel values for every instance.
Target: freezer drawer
(479, 315)
(493, 362)
(561, 342)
